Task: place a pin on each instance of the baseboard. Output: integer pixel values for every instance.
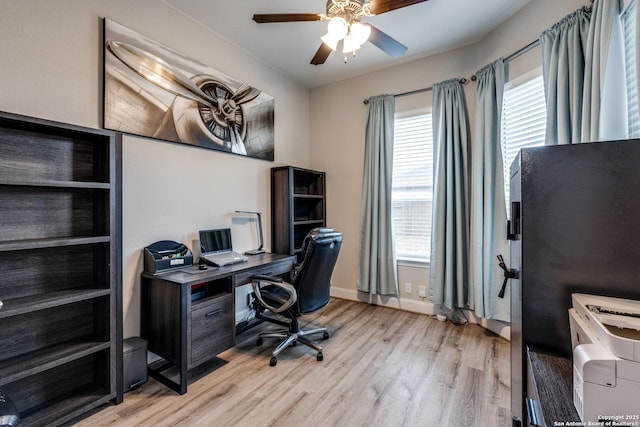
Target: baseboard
(385, 301)
(422, 307)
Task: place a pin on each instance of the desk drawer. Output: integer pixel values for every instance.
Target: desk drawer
(212, 328)
(275, 269)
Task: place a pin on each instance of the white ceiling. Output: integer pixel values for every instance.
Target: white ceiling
(426, 28)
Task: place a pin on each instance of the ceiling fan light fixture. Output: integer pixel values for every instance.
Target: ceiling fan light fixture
(361, 32)
(330, 41)
(343, 14)
(350, 44)
(337, 28)
(340, 3)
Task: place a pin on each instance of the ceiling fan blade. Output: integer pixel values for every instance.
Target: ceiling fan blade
(269, 18)
(321, 55)
(381, 6)
(386, 43)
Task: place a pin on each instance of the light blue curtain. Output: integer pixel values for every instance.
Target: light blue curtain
(378, 272)
(563, 69)
(604, 111)
(449, 270)
(488, 212)
(583, 69)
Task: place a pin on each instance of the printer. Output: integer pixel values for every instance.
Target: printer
(605, 337)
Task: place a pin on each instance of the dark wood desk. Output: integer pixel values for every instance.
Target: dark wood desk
(188, 315)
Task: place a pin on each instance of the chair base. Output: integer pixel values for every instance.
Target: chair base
(291, 339)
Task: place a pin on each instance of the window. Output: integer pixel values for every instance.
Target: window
(412, 192)
(524, 119)
(629, 24)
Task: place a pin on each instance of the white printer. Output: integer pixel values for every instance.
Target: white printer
(605, 336)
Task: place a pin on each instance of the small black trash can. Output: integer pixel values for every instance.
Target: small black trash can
(134, 362)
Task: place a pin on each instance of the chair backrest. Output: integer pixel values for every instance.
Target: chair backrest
(313, 281)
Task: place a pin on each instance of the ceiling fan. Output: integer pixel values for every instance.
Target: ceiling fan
(344, 18)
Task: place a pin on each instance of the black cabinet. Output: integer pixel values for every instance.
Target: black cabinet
(574, 225)
(298, 205)
(60, 274)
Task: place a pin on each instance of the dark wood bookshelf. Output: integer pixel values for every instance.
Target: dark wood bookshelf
(60, 269)
(298, 205)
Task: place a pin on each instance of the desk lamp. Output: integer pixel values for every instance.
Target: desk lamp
(260, 240)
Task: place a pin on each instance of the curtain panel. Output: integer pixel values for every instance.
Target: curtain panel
(488, 210)
(563, 68)
(449, 272)
(604, 110)
(377, 272)
(583, 70)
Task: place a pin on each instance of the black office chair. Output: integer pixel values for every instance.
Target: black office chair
(308, 292)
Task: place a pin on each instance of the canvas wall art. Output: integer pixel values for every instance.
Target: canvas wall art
(153, 91)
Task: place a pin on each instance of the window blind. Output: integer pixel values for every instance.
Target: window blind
(629, 24)
(524, 120)
(412, 186)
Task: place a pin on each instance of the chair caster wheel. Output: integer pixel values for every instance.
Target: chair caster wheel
(273, 361)
(325, 335)
(259, 342)
(295, 343)
(319, 357)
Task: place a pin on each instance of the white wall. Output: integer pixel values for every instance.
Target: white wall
(338, 121)
(51, 68)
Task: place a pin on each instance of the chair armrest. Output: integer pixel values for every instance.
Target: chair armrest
(264, 278)
(279, 283)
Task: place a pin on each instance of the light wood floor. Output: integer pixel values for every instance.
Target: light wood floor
(382, 367)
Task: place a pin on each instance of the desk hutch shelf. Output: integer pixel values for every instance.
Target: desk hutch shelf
(61, 335)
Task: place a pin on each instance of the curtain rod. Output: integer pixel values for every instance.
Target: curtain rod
(413, 92)
(531, 45)
(507, 59)
(516, 54)
(522, 50)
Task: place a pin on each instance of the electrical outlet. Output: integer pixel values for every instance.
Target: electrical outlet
(422, 291)
(407, 288)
